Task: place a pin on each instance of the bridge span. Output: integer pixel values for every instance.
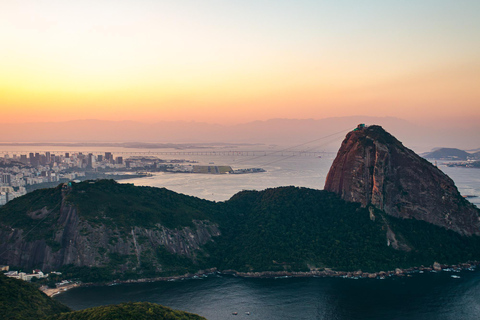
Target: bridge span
(236, 153)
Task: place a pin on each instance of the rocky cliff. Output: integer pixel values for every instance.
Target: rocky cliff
(57, 235)
(373, 168)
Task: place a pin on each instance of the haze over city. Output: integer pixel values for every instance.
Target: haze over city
(225, 63)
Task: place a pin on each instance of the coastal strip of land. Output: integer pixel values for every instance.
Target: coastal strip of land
(327, 273)
(54, 291)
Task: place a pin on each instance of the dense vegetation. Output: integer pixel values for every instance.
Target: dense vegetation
(285, 228)
(124, 205)
(430, 243)
(21, 300)
(127, 311)
(25, 212)
(292, 228)
(107, 202)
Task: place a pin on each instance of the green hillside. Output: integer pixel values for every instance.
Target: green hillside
(286, 228)
(108, 202)
(124, 205)
(21, 300)
(127, 311)
(293, 228)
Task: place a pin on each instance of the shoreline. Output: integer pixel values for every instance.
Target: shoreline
(54, 291)
(327, 273)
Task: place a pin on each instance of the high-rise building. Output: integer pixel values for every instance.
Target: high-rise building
(48, 157)
(119, 160)
(43, 159)
(3, 198)
(67, 155)
(5, 178)
(108, 156)
(90, 161)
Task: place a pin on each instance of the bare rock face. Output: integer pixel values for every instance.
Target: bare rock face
(81, 243)
(373, 168)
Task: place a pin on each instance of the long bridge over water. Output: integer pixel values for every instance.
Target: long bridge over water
(238, 153)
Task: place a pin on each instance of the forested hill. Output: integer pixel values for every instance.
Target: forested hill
(128, 311)
(103, 230)
(106, 229)
(292, 228)
(109, 202)
(21, 300)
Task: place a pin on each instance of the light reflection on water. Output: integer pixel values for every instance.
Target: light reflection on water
(300, 171)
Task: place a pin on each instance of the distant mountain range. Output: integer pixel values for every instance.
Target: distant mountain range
(285, 132)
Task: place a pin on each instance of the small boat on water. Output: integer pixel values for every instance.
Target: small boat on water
(455, 277)
(234, 313)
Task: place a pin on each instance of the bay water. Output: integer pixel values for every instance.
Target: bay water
(435, 296)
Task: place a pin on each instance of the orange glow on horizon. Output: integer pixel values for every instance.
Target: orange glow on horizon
(237, 62)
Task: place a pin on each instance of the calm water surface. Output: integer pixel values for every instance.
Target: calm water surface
(422, 296)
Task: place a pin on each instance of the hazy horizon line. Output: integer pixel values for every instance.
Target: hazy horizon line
(205, 122)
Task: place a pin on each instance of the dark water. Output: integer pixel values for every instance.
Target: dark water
(422, 296)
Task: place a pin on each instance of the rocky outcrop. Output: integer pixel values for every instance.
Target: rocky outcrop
(373, 168)
(81, 243)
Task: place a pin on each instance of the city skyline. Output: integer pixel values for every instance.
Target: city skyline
(232, 63)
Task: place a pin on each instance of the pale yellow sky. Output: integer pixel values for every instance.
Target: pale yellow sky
(222, 62)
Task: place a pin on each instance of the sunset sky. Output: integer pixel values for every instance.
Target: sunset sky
(238, 61)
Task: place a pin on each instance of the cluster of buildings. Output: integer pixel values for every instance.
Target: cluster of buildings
(23, 275)
(18, 172)
(67, 160)
(26, 276)
(8, 193)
